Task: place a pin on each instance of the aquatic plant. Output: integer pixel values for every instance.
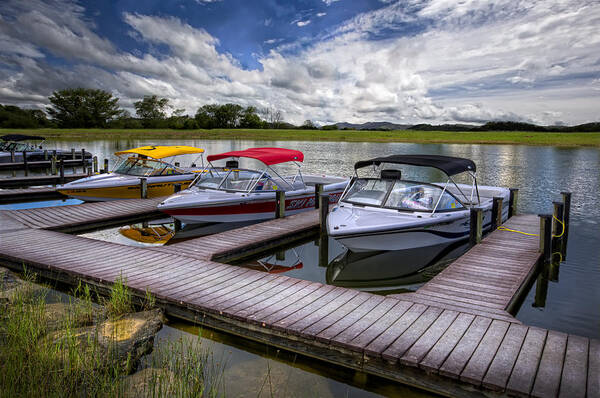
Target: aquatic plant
(120, 300)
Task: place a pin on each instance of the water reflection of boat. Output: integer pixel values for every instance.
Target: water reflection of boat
(124, 181)
(32, 144)
(391, 268)
(153, 234)
(391, 213)
(233, 194)
(274, 265)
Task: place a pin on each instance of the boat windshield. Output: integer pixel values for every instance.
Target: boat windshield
(401, 195)
(135, 166)
(237, 180)
(17, 147)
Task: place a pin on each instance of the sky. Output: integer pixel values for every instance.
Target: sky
(406, 62)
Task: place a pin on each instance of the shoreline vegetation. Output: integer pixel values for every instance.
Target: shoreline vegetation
(572, 139)
(80, 348)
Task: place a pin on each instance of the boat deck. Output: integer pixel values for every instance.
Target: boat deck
(445, 350)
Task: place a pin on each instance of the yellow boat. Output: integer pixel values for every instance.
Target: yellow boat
(152, 234)
(151, 162)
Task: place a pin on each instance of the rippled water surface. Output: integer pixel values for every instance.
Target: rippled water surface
(570, 302)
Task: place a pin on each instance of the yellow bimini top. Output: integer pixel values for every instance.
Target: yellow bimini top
(160, 152)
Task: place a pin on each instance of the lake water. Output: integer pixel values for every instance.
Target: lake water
(572, 300)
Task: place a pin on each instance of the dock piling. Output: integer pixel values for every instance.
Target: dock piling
(25, 166)
(476, 226)
(566, 199)
(12, 156)
(53, 165)
(45, 154)
(318, 192)
(557, 226)
(143, 188)
(176, 188)
(496, 213)
(546, 237)
(105, 166)
(62, 171)
(279, 204)
(512, 202)
(95, 164)
(89, 171)
(323, 211)
(73, 153)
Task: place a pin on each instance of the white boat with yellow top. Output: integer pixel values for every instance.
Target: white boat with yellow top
(151, 162)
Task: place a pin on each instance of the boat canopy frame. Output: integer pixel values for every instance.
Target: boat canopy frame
(268, 156)
(449, 165)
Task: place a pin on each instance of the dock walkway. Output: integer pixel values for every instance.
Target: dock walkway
(445, 350)
(20, 182)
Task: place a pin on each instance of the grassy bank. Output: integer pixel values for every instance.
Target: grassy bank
(466, 137)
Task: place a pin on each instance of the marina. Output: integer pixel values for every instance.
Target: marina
(440, 348)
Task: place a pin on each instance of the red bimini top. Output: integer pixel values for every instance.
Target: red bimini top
(268, 156)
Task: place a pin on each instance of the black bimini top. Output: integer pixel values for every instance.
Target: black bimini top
(448, 164)
(20, 137)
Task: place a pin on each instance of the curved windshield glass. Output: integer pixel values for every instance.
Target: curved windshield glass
(134, 166)
(402, 195)
(237, 180)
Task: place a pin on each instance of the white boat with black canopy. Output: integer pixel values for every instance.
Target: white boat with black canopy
(388, 212)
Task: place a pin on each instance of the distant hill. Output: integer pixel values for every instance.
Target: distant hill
(372, 126)
(489, 126)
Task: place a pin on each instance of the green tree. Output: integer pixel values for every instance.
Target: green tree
(83, 107)
(152, 110)
(228, 115)
(250, 119)
(206, 116)
(308, 125)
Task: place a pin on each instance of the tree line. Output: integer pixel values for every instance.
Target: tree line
(93, 108)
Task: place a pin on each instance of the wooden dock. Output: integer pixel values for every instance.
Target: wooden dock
(488, 278)
(20, 182)
(44, 164)
(19, 195)
(440, 345)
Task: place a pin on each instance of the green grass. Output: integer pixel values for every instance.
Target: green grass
(38, 362)
(465, 137)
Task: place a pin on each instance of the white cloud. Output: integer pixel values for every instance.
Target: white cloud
(470, 61)
(321, 14)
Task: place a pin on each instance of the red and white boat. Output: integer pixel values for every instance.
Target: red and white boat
(232, 194)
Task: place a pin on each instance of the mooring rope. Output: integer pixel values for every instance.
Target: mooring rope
(503, 228)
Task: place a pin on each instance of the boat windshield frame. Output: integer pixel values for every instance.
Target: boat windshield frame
(151, 173)
(252, 187)
(388, 193)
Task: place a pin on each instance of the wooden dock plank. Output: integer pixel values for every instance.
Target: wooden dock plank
(426, 342)
(523, 375)
(380, 341)
(573, 383)
(505, 358)
(460, 355)
(411, 335)
(593, 384)
(445, 345)
(547, 380)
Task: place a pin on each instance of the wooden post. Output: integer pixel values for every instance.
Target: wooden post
(62, 171)
(89, 171)
(144, 188)
(53, 165)
(318, 192)
(95, 164)
(105, 166)
(12, 156)
(496, 213)
(566, 198)
(176, 222)
(25, 166)
(512, 202)
(280, 255)
(546, 237)
(476, 226)
(541, 289)
(279, 204)
(45, 154)
(323, 211)
(557, 226)
(73, 153)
